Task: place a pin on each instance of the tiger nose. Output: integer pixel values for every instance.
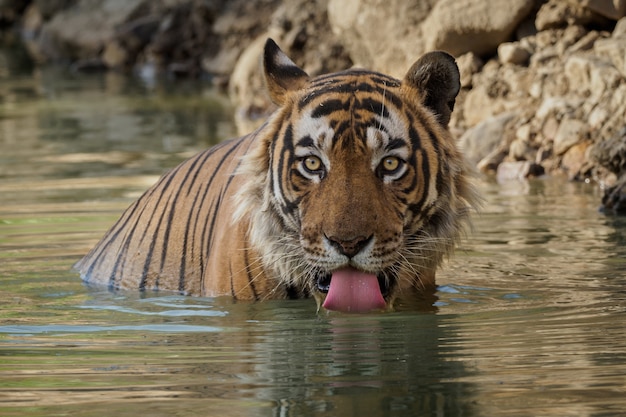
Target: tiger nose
(351, 247)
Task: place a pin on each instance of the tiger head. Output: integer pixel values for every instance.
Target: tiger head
(356, 191)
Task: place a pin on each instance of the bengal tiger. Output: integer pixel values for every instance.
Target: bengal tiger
(352, 192)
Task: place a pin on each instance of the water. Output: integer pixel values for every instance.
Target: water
(528, 319)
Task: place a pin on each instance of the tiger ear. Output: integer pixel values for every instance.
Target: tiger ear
(281, 74)
(436, 76)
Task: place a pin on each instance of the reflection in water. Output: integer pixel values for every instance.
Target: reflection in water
(528, 319)
(282, 361)
(352, 366)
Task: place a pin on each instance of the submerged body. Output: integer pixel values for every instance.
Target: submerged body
(353, 192)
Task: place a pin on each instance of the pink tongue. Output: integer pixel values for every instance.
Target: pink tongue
(353, 291)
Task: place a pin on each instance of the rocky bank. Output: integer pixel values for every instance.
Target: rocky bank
(544, 81)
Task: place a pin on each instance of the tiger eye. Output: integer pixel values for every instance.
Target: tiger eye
(391, 163)
(312, 163)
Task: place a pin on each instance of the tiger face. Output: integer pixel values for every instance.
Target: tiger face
(362, 191)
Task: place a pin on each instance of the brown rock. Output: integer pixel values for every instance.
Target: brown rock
(559, 13)
(370, 30)
(513, 53)
(574, 159)
(570, 132)
(469, 64)
(114, 55)
(612, 9)
(460, 26)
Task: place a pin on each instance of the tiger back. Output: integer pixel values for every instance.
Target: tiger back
(353, 192)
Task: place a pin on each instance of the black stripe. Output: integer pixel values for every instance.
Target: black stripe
(416, 208)
(112, 235)
(340, 127)
(414, 180)
(215, 207)
(148, 259)
(306, 142)
(162, 187)
(172, 212)
(285, 154)
(328, 107)
(199, 162)
(414, 137)
(232, 284)
(396, 143)
(203, 200)
(249, 274)
(375, 106)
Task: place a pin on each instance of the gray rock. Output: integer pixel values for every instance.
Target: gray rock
(518, 170)
(481, 140)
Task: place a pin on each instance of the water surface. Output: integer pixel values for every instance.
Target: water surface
(528, 319)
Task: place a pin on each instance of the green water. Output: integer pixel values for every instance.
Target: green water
(529, 318)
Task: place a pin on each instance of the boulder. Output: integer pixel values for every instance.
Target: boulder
(612, 9)
(479, 26)
(513, 53)
(81, 31)
(518, 170)
(481, 140)
(385, 35)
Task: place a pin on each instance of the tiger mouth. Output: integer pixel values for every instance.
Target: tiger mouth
(385, 282)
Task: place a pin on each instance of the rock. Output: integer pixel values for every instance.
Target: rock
(114, 55)
(490, 163)
(611, 153)
(556, 106)
(469, 64)
(614, 49)
(222, 63)
(481, 104)
(585, 43)
(620, 28)
(371, 30)
(252, 107)
(518, 170)
(81, 32)
(513, 53)
(575, 159)
(481, 140)
(571, 131)
(549, 128)
(612, 9)
(520, 150)
(614, 198)
(305, 35)
(460, 26)
(577, 72)
(558, 14)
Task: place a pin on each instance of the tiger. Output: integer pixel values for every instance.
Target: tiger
(352, 192)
